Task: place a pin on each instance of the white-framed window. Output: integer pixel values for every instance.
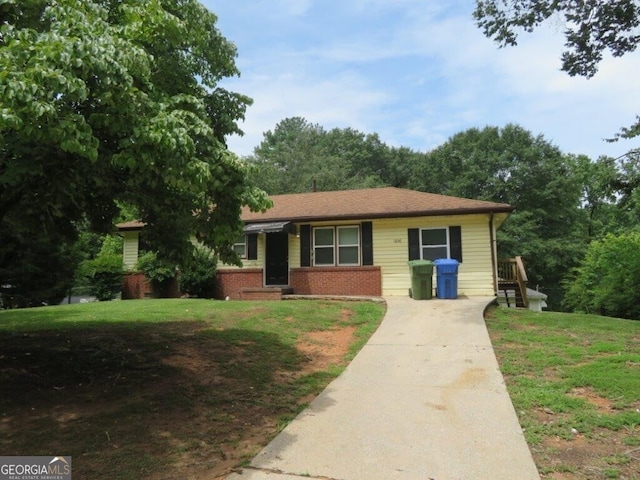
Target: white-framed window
(240, 247)
(336, 245)
(324, 246)
(348, 245)
(434, 243)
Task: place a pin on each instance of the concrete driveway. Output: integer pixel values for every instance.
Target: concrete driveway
(424, 399)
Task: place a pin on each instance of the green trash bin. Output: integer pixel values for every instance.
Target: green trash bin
(421, 279)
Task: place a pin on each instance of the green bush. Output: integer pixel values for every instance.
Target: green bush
(608, 279)
(111, 244)
(103, 275)
(158, 272)
(199, 276)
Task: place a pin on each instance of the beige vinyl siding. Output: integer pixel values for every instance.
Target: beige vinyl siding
(130, 242)
(390, 252)
(258, 263)
(294, 250)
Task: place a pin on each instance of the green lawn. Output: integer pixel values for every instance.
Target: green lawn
(179, 388)
(162, 387)
(575, 383)
(272, 317)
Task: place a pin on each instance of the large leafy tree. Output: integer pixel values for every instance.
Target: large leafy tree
(626, 185)
(106, 101)
(600, 181)
(592, 27)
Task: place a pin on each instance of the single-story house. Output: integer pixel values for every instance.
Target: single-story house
(356, 243)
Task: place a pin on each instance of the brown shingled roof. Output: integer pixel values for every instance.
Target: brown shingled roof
(384, 202)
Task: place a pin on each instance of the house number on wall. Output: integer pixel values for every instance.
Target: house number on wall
(397, 240)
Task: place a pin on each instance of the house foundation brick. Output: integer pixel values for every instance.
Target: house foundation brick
(135, 285)
(261, 294)
(229, 283)
(350, 281)
(247, 283)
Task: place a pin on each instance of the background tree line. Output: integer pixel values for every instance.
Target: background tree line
(564, 202)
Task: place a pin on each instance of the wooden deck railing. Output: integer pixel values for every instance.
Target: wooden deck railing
(513, 276)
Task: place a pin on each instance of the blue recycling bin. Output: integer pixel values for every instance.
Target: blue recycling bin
(446, 278)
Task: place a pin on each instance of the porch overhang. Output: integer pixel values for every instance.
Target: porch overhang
(270, 227)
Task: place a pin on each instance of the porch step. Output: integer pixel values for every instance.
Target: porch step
(264, 293)
(507, 288)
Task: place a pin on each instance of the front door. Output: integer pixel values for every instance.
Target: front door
(277, 259)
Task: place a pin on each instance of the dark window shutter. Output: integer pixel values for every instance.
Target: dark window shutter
(305, 245)
(414, 244)
(455, 243)
(252, 246)
(366, 232)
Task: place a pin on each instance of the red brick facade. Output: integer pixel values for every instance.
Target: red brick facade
(229, 283)
(261, 294)
(135, 286)
(351, 281)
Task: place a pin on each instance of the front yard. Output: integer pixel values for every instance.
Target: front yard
(191, 389)
(574, 381)
(163, 389)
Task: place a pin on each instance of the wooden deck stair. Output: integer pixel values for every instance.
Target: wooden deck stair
(512, 277)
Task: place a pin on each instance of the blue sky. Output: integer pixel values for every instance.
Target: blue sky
(416, 72)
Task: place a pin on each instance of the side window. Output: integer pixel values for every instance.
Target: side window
(240, 247)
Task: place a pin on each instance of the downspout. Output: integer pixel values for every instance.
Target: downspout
(494, 264)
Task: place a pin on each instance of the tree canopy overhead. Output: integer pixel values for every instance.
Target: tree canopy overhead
(118, 100)
(591, 28)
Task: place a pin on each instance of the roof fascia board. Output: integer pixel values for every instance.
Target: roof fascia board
(441, 213)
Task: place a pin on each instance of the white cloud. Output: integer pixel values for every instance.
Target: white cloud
(416, 73)
(344, 100)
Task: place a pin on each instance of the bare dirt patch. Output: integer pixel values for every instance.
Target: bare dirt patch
(324, 348)
(603, 405)
(175, 401)
(602, 454)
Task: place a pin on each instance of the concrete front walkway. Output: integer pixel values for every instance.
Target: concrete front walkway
(424, 399)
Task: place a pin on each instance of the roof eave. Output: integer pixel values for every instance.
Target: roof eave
(440, 213)
(130, 226)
